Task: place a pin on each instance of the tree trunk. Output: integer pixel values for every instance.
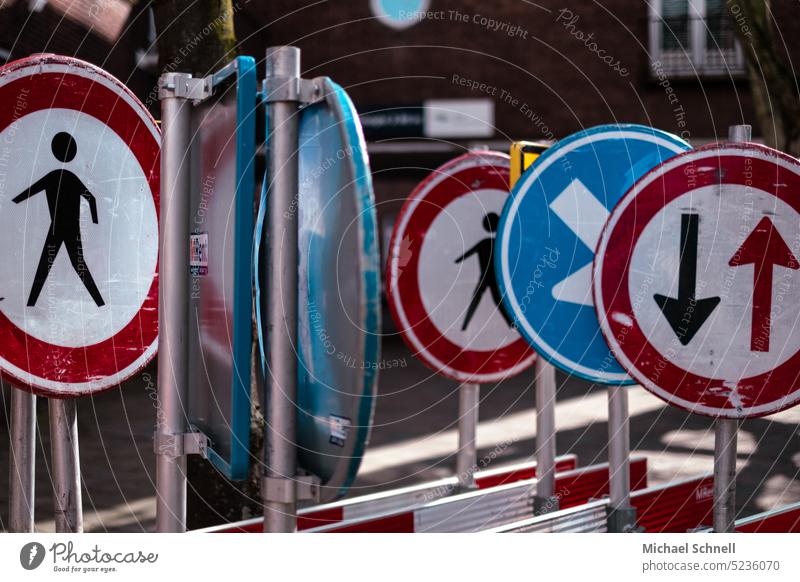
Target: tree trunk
(198, 37)
(194, 36)
(772, 82)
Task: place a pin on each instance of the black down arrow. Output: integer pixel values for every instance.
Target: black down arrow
(686, 314)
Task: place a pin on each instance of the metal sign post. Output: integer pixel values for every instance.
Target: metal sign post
(279, 489)
(23, 461)
(66, 465)
(467, 459)
(725, 429)
(523, 154)
(173, 300)
(545, 500)
(621, 515)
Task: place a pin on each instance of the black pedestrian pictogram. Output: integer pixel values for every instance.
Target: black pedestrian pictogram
(488, 281)
(64, 191)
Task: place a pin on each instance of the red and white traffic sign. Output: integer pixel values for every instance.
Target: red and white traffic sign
(441, 282)
(79, 173)
(697, 281)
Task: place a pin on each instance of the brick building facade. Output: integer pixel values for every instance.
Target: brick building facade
(548, 68)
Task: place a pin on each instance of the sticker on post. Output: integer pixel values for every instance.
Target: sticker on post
(339, 427)
(198, 254)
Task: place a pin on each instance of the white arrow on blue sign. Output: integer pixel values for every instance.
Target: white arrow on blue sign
(548, 234)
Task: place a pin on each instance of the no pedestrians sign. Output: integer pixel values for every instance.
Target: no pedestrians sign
(79, 170)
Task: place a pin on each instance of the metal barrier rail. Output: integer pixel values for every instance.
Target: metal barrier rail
(782, 520)
(396, 499)
(479, 510)
(589, 518)
(672, 508)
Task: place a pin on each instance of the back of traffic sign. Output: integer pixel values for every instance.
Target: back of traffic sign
(339, 291)
(78, 227)
(696, 281)
(222, 160)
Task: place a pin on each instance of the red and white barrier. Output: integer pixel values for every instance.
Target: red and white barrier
(479, 510)
(672, 508)
(782, 520)
(396, 499)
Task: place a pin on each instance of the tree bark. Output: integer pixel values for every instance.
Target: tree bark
(198, 37)
(194, 36)
(772, 81)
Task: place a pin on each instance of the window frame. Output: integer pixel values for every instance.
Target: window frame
(695, 56)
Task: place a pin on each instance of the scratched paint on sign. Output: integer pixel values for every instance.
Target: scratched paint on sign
(697, 281)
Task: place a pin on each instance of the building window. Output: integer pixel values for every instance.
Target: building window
(694, 38)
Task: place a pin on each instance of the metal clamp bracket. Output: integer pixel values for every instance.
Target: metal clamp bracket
(282, 490)
(184, 86)
(622, 520)
(304, 91)
(177, 445)
(542, 505)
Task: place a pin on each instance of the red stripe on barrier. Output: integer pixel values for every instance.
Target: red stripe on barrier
(318, 518)
(578, 487)
(397, 523)
(773, 522)
(677, 508)
(244, 528)
(484, 482)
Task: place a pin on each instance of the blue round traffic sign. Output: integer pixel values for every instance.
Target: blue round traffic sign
(548, 234)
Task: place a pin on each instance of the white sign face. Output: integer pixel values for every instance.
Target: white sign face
(453, 235)
(120, 251)
(721, 347)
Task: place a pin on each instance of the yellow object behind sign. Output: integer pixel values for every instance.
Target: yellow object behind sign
(523, 154)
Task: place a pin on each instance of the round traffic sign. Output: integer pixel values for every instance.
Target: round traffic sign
(696, 281)
(79, 226)
(549, 232)
(441, 285)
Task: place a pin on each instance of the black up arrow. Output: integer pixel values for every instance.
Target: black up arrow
(687, 314)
